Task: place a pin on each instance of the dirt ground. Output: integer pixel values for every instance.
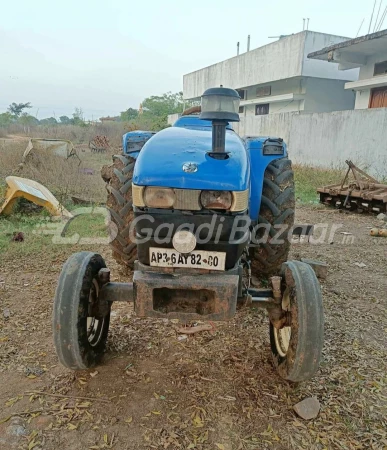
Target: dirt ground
(211, 391)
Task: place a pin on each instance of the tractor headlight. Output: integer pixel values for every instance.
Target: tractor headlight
(158, 197)
(216, 199)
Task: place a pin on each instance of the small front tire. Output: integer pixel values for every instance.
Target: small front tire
(297, 348)
(79, 336)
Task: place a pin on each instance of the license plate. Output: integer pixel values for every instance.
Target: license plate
(200, 259)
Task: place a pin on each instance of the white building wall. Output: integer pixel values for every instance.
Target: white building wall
(323, 95)
(279, 60)
(367, 71)
(323, 69)
(288, 86)
(275, 61)
(172, 118)
(328, 139)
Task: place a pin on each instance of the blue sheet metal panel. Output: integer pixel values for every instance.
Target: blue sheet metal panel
(161, 161)
(194, 122)
(137, 136)
(259, 163)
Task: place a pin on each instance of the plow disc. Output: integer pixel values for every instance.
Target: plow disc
(363, 193)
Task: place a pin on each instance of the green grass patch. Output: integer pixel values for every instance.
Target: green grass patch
(308, 179)
(44, 234)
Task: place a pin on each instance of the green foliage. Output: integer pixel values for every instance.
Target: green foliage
(6, 119)
(27, 120)
(78, 118)
(162, 105)
(16, 109)
(128, 115)
(156, 110)
(49, 121)
(65, 120)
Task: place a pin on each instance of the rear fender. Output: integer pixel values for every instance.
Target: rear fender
(258, 165)
(133, 141)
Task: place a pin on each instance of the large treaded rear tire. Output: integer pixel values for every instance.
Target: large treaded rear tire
(118, 178)
(277, 208)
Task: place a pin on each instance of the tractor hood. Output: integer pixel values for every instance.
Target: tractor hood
(162, 158)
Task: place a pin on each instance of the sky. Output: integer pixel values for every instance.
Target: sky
(105, 56)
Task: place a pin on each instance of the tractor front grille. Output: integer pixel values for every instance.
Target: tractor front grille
(189, 199)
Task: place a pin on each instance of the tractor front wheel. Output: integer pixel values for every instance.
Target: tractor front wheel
(297, 346)
(80, 326)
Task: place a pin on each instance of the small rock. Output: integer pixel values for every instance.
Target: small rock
(16, 428)
(6, 313)
(182, 337)
(308, 408)
(361, 264)
(37, 371)
(42, 422)
(382, 216)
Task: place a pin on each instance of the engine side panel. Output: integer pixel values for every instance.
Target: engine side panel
(258, 165)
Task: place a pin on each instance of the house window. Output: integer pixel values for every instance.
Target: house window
(263, 91)
(241, 93)
(241, 109)
(380, 68)
(260, 110)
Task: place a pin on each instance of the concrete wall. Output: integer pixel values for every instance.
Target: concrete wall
(276, 61)
(288, 86)
(323, 95)
(328, 139)
(367, 71)
(172, 118)
(279, 60)
(323, 69)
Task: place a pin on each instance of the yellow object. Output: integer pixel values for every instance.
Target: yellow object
(379, 232)
(34, 192)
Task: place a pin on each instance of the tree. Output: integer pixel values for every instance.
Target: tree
(16, 109)
(78, 117)
(162, 105)
(129, 114)
(157, 108)
(49, 121)
(65, 120)
(5, 119)
(27, 121)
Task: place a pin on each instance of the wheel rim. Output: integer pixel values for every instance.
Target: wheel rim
(283, 335)
(94, 326)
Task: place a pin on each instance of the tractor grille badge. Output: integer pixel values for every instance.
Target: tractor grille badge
(190, 167)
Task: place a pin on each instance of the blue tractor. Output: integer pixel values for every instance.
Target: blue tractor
(197, 213)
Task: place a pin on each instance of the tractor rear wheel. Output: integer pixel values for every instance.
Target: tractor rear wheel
(277, 209)
(118, 178)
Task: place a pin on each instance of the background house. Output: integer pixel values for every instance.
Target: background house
(279, 77)
(369, 53)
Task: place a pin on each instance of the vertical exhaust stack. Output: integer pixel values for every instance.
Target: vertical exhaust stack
(237, 48)
(221, 106)
(248, 43)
